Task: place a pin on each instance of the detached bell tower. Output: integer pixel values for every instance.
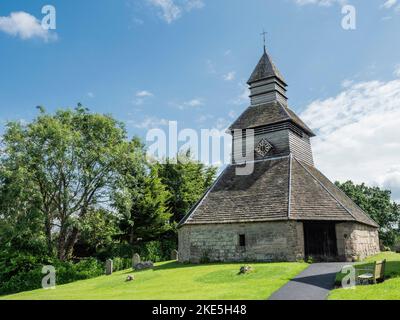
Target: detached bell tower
(284, 208)
(278, 131)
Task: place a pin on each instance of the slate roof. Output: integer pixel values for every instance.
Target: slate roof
(265, 69)
(268, 114)
(278, 189)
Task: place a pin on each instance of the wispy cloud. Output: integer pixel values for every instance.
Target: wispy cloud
(194, 4)
(323, 3)
(229, 76)
(141, 96)
(149, 122)
(210, 67)
(347, 83)
(389, 4)
(190, 104)
(243, 97)
(359, 126)
(90, 94)
(397, 71)
(228, 52)
(25, 26)
(171, 10)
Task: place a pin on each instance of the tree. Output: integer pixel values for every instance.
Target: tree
(142, 202)
(62, 166)
(98, 231)
(186, 180)
(378, 205)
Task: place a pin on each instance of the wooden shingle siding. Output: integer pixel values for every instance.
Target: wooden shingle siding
(278, 139)
(301, 147)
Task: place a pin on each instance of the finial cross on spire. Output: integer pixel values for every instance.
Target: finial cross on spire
(264, 38)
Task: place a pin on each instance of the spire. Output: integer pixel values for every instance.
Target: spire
(265, 69)
(266, 82)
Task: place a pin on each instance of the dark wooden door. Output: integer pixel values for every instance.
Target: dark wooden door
(320, 239)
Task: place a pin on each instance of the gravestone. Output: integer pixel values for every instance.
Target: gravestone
(174, 255)
(109, 267)
(135, 260)
(144, 265)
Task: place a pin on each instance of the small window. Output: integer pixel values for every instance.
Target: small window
(242, 240)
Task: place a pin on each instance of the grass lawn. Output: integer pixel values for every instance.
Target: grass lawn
(173, 281)
(388, 290)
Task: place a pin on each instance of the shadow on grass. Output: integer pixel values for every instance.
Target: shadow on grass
(179, 265)
(176, 264)
(166, 266)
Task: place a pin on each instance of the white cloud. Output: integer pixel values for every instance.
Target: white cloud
(243, 97)
(204, 117)
(228, 52)
(141, 97)
(194, 4)
(171, 10)
(149, 122)
(25, 26)
(222, 123)
(357, 134)
(143, 94)
(397, 71)
(347, 83)
(323, 3)
(90, 94)
(194, 103)
(389, 4)
(229, 76)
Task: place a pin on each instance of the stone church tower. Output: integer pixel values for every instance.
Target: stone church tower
(285, 209)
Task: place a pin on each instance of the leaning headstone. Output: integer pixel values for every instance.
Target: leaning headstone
(135, 260)
(109, 267)
(174, 255)
(143, 265)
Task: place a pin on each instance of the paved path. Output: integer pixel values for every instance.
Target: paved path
(314, 283)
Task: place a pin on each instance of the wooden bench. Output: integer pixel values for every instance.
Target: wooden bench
(375, 274)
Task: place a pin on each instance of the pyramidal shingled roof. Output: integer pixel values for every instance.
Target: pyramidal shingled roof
(268, 114)
(265, 69)
(278, 189)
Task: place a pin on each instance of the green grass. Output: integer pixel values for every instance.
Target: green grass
(173, 281)
(388, 290)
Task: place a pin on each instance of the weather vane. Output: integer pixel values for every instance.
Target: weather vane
(264, 38)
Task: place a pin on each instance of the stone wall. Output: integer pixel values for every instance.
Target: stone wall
(265, 241)
(356, 241)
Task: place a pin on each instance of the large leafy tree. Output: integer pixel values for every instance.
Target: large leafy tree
(186, 180)
(58, 168)
(378, 204)
(141, 201)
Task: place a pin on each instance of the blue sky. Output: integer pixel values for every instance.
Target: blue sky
(150, 61)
